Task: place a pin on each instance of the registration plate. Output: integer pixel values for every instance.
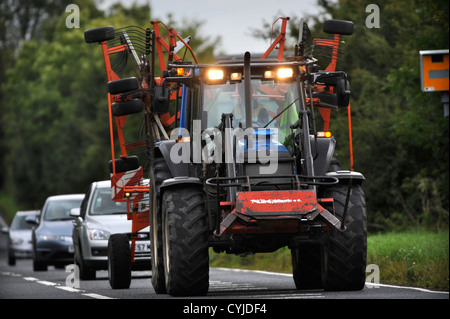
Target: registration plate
(142, 246)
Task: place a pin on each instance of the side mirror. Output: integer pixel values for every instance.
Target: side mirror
(32, 219)
(342, 91)
(161, 99)
(5, 230)
(344, 27)
(75, 212)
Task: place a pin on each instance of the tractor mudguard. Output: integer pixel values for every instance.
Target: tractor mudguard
(322, 154)
(178, 181)
(179, 169)
(181, 180)
(344, 175)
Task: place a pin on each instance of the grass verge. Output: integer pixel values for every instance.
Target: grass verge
(412, 258)
(415, 258)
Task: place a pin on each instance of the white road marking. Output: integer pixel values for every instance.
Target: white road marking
(56, 285)
(69, 289)
(225, 285)
(97, 296)
(46, 283)
(255, 271)
(368, 284)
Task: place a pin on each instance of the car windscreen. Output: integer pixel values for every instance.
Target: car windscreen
(102, 204)
(19, 223)
(60, 209)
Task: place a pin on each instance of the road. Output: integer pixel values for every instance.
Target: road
(21, 282)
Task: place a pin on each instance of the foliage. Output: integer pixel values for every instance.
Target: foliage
(54, 131)
(414, 258)
(53, 111)
(411, 258)
(400, 137)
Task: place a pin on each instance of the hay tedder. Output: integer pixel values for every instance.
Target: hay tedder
(231, 158)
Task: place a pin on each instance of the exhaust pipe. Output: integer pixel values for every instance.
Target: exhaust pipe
(248, 90)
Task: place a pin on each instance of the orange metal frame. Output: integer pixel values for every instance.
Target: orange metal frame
(280, 39)
(139, 220)
(325, 112)
(334, 44)
(161, 44)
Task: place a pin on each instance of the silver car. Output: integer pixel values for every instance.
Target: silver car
(19, 239)
(99, 217)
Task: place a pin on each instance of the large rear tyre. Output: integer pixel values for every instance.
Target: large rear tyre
(119, 261)
(344, 253)
(185, 242)
(159, 173)
(306, 266)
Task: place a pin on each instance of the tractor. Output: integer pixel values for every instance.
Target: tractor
(233, 157)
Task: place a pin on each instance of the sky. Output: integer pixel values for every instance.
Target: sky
(228, 18)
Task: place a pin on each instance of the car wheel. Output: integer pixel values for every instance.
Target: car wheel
(11, 258)
(39, 265)
(86, 273)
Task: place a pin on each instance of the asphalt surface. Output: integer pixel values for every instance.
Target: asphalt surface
(259, 293)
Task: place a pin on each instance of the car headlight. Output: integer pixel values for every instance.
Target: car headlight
(98, 234)
(55, 237)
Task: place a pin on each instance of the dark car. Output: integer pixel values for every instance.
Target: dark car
(52, 236)
(19, 236)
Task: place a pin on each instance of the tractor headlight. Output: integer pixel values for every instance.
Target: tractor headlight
(236, 76)
(214, 75)
(280, 74)
(284, 73)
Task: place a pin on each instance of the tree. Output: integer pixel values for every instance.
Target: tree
(400, 138)
(54, 106)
